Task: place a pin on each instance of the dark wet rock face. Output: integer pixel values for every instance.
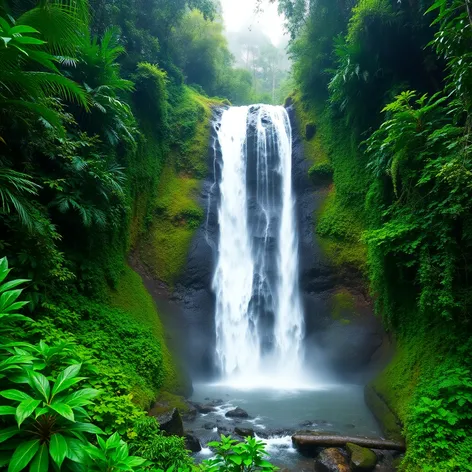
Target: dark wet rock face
(310, 131)
(331, 460)
(192, 443)
(244, 432)
(171, 423)
(237, 413)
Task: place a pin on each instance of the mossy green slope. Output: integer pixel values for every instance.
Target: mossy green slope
(177, 211)
(339, 220)
(132, 297)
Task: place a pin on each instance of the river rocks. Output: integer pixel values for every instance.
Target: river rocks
(209, 426)
(244, 432)
(362, 459)
(204, 409)
(192, 443)
(237, 413)
(331, 460)
(171, 423)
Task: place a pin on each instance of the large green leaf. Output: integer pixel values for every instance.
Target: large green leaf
(67, 378)
(7, 433)
(41, 460)
(15, 395)
(7, 410)
(4, 270)
(23, 455)
(40, 383)
(81, 397)
(12, 284)
(75, 449)
(7, 298)
(62, 409)
(25, 409)
(85, 428)
(58, 448)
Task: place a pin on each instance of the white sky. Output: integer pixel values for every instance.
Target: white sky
(239, 13)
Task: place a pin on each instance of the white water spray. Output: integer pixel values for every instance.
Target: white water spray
(259, 316)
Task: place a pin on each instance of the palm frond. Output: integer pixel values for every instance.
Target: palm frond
(13, 187)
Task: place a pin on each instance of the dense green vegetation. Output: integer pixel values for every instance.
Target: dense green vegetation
(104, 129)
(388, 86)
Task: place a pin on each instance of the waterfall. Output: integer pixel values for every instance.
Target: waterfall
(259, 316)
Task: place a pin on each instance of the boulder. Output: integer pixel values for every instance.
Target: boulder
(237, 413)
(209, 426)
(331, 460)
(362, 459)
(171, 423)
(310, 131)
(203, 409)
(244, 432)
(192, 443)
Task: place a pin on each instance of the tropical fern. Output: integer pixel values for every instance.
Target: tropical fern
(14, 188)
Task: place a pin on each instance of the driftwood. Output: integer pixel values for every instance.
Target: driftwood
(307, 440)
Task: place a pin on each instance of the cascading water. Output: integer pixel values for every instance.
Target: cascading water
(259, 316)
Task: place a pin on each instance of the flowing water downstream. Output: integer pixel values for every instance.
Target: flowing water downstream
(259, 319)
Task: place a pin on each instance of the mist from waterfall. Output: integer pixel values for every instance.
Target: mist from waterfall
(259, 315)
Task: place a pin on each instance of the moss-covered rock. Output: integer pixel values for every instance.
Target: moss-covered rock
(167, 402)
(362, 459)
(331, 460)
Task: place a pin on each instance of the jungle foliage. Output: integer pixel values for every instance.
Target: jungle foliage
(98, 100)
(388, 85)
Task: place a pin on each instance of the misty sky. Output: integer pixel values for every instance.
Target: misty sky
(240, 13)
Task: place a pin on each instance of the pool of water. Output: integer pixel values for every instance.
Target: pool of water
(275, 414)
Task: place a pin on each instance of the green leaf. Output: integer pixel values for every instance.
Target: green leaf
(236, 459)
(21, 29)
(25, 409)
(40, 383)
(63, 410)
(81, 397)
(16, 395)
(7, 410)
(7, 298)
(65, 376)
(41, 460)
(12, 284)
(135, 461)
(7, 433)
(58, 448)
(23, 455)
(85, 428)
(28, 40)
(113, 441)
(75, 450)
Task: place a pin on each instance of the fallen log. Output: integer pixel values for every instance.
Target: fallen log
(308, 440)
